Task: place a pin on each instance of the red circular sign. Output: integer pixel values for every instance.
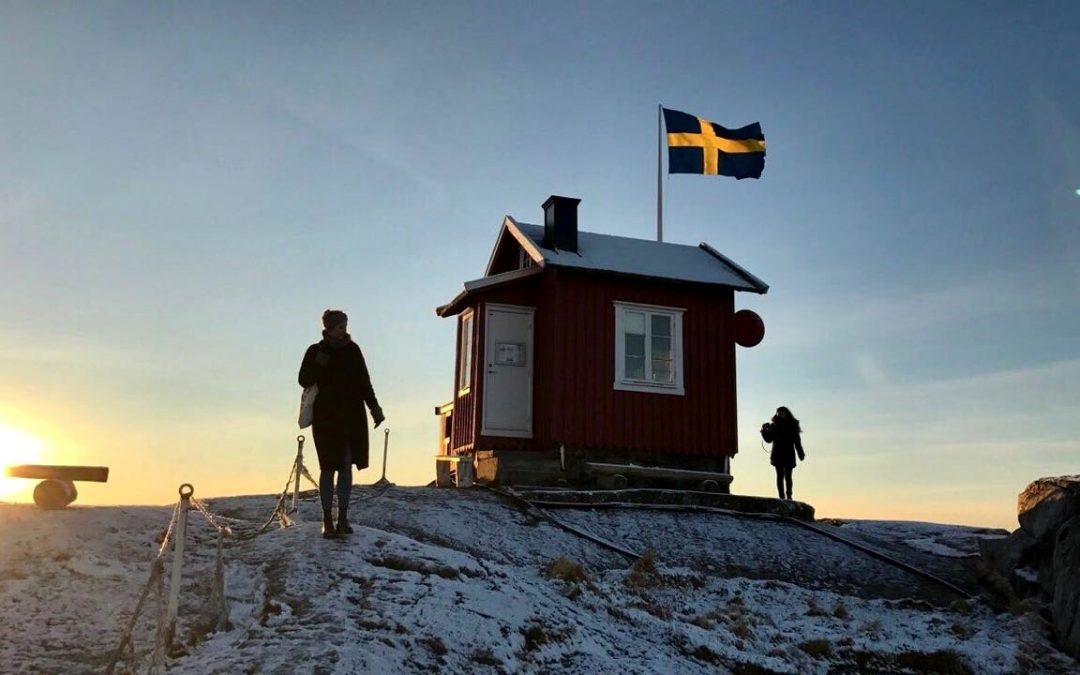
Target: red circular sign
(749, 328)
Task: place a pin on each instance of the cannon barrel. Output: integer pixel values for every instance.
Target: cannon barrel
(95, 474)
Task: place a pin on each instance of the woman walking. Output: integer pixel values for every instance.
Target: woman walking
(784, 434)
(339, 426)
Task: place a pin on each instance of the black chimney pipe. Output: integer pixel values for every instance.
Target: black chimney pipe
(560, 223)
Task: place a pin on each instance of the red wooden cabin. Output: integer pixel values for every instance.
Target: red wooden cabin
(577, 351)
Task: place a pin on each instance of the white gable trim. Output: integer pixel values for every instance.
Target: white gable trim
(509, 225)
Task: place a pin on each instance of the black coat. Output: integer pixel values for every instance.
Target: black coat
(785, 440)
(339, 415)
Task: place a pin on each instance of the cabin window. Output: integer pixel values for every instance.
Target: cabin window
(465, 357)
(648, 348)
(524, 259)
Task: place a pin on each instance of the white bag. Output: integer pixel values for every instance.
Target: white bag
(307, 405)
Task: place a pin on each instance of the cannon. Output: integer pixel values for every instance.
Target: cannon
(57, 487)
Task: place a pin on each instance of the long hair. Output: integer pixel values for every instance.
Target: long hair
(790, 419)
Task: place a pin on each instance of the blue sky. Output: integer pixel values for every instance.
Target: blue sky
(185, 187)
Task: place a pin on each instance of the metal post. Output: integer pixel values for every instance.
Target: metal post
(298, 468)
(386, 443)
(659, 173)
(186, 490)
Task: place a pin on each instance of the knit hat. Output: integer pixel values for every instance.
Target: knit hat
(333, 317)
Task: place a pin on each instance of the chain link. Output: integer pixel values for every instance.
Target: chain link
(224, 530)
(168, 532)
(307, 474)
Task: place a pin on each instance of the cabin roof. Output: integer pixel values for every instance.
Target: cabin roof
(639, 257)
(701, 264)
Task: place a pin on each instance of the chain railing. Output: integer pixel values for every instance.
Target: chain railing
(167, 605)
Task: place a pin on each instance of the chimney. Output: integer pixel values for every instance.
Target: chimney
(560, 223)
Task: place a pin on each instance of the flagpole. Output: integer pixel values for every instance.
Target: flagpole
(659, 171)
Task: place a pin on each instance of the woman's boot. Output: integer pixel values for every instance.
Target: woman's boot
(343, 526)
(328, 529)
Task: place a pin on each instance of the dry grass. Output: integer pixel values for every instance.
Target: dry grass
(709, 619)
(643, 573)
(572, 591)
(943, 662)
(649, 605)
(564, 569)
(961, 606)
(434, 644)
(702, 621)
(485, 657)
(703, 653)
(813, 608)
(819, 649)
(742, 629)
(872, 629)
(1000, 592)
(750, 669)
(536, 635)
(840, 611)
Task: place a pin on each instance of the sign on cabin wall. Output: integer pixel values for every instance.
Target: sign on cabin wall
(510, 354)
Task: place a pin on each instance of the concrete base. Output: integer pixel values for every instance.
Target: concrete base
(517, 467)
(564, 467)
(619, 476)
(740, 503)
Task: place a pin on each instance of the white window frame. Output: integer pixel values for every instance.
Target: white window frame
(623, 383)
(465, 358)
(524, 259)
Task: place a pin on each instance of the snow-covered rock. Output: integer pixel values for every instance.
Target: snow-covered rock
(461, 581)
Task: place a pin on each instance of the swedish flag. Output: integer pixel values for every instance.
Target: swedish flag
(696, 145)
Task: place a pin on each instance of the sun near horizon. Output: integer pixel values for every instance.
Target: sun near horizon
(18, 447)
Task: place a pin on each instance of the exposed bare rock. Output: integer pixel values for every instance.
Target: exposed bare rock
(1066, 608)
(1046, 504)
(1039, 564)
(1008, 553)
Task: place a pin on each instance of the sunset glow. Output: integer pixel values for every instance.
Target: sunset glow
(17, 447)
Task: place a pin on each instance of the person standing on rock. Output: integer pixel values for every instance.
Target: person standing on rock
(784, 433)
(339, 425)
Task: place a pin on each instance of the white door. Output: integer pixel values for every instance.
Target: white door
(508, 358)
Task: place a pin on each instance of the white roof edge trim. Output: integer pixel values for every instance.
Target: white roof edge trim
(760, 285)
(511, 226)
(495, 248)
(526, 243)
(487, 282)
(441, 309)
(502, 277)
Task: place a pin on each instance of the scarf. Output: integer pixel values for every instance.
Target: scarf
(334, 343)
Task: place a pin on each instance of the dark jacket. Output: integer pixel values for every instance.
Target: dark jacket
(339, 415)
(785, 440)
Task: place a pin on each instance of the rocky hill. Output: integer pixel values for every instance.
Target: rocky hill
(465, 581)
